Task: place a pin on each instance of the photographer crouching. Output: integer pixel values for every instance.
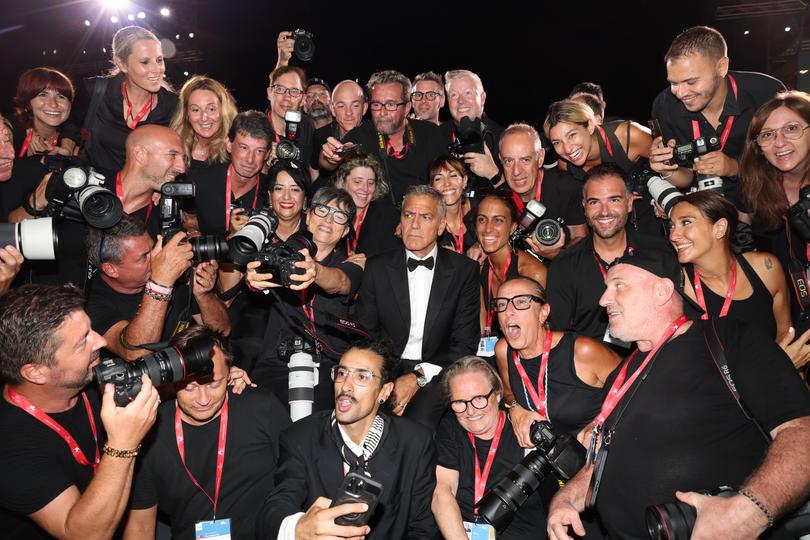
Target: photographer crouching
(308, 314)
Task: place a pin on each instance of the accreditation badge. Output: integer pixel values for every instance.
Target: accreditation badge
(486, 347)
(218, 529)
(479, 531)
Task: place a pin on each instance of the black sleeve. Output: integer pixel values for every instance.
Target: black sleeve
(659, 112)
(422, 525)
(466, 329)
(561, 294)
(103, 314)
(144, 490)
(447, 450)
(32, 478)
(367, 301)
(574, 212)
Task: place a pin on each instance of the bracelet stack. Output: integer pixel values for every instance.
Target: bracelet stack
(157, 291)
(748, 495)
(115, 452)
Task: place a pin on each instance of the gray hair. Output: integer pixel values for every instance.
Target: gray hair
(455, 74)
(390, 76)
(427, 191)
(525, 129)
(470, 364)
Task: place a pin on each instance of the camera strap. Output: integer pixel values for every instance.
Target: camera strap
(119, 192)
(606, 141)
(29, 136)
(729, 121)
(351, 244)
(490, 310)
(538, 190)
(798, 272)
(732, 286)
(78, 454)
(181, 447)
(540, 396)
(481, 476)
(375, 436)
(388, 149)
(229, 195)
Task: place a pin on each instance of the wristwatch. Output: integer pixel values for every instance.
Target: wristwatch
(421, 380)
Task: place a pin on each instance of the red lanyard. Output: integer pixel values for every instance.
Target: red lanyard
(29, 135)
(360, 217)
(181, 447)
(458, 239)
(481, 476)
(729, 122)
(540, 397)
(605, 140)
(119, 192)
(732, 284)
(228, 196)
(23, 403)
(537, 191)
(599, 264)
(620, 388)
(308, 311)
(138, 117)
(490, 311)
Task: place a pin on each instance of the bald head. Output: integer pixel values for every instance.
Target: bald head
(348, 105)
(156, 154)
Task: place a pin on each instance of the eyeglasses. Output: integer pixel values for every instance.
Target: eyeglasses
(478, 402)
(790, 131)
(338, 216)
(389, 105)
(521, 302)
(360, 377)
(281, 90)
(430, 96)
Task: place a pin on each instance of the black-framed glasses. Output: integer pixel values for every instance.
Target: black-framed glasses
(792, 131)
(338, 216)
(520, 301)
(389, 105)
(360, 376)
(281, 90)
(478, 402)
(430, 96)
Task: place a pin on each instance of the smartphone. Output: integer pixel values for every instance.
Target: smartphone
(357, 488)
(655, 127)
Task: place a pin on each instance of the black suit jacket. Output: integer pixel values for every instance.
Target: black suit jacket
(452, 328)
(310, 466)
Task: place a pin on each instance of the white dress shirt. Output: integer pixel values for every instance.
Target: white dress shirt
(419, 285)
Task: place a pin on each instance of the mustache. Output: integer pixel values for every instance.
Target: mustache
(344, 394)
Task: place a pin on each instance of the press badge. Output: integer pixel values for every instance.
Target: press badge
(608, 338)
(479, 531)
(219, 529)
(486, 347)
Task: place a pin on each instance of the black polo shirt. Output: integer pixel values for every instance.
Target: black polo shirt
(209, 197)
(561, 194)
(575, 284)
(428, 143)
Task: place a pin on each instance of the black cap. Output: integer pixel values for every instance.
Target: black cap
(663, 263)
(320, 82)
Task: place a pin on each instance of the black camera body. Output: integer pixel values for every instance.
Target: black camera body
(286, 149)
(279, 259)
(686, 153)
(205, 247)
(470, 137)
(546, 231)
(797, 214)
(304, 48)
(165, 366)
(75, 192)
(561, 455)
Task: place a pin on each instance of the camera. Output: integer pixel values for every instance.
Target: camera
(686, 153)
(286, 148)
(75, 192)
(675, 520)
(663, 192)
(245, 244)
(298, 354)
(797, 214)
(304, 47)
(546, 231)
(279, 259)
(165, 366)
(36, 239)
(204, 248)
(470, 136)
(561, 455)
(349, 150)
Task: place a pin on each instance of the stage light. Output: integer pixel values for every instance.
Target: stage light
(104, 49)
(177, 36)
(165, 11)
(130, 17)
(787, 29)
(84, 52)
(54, 51)
(87, 22)
(114, 4)
(185, 73)
(113, 19)
(141, 15)
(191, 35)
(802, 72)
(44, 53)
(746, 32)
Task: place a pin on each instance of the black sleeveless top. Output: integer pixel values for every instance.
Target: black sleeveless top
(756, 310)
(483, 279)
(571, 402)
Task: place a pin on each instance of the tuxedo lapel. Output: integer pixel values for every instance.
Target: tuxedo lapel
(442, 279)
(398, 278)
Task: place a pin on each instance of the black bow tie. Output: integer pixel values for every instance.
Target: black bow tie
(413, 264)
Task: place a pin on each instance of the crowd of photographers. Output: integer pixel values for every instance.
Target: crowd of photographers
(346, 317)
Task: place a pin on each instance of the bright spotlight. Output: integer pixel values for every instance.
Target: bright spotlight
(191, 35)
(141, 15)
(746, 32)
(54, 51)
(113, 19)
(802, 72)
(787, 29)
(130, 17)
(185, 73)
(114, 4)
(87, 22)
(165, 11)
(177, 36)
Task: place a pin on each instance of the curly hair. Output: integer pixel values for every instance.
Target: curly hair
(363, 160)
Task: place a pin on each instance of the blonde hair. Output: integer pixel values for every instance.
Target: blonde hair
(456, 74)
(227, 112)
(569, 111)
(122, 43)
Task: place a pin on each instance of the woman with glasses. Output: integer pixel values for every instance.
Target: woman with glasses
(548, 375)
(448, 176)
(318, 297)
(476, 447)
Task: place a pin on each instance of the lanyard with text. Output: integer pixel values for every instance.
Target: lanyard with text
(361, 215)
(385, 144)
(732, 284)
(229, 194)
(119, 192)
(181, 447)
(490, 310)
(539, 397)
(538, 190)
(605, 140)
(29, 135)
(23, 403)
(620, 388)
(790, 244)
(458, 239)
(729, 121)
(481, 476)
(138, 117)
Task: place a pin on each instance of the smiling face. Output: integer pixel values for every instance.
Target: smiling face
(203, 110)
(281, 103)
(425, 108)
(6, 152)
(325, 232)
(694, 79)
(450, 183)
(361, 182)
(785, 154)
(348, 105)
(607, 205)
(521, 162)
(521, 328)
(629, 298)
(144, 67)
(287, 197)
(164, 159)
(466, 386)
(493, 224)
(464, 98)
(693, 234)
(77, 353)
(572, 142)
(50, 107)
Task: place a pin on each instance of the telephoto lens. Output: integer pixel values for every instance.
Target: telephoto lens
(675, 520)
(244, 245)
(209, 247)
(36, 239)
(664, 193)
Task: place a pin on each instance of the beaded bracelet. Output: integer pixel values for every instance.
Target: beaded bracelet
(157, 296)
(748, 495)
(158, 288)
(115, 452)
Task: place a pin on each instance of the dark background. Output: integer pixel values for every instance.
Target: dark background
(527, 56)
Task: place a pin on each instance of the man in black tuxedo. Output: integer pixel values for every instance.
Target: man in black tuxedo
(426, 300)
(316, 452)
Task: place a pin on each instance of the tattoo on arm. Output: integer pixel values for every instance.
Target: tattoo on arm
(768, 263)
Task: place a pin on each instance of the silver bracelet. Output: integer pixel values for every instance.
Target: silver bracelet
(748, 495)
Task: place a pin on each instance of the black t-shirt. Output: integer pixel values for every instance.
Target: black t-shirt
(679, 427)
(455, 452)
(105, 307)
(255, 420)
(209, 196)
(377, 230)
(36, 464)
(25, 177)
(68, 130)
(108, 131)
(492, 138)
(429, 142)
(575, 284)
(561, 194)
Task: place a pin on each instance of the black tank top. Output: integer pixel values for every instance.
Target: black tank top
(617, 156)
(483, 278)
(571, 402)
(756, 310)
